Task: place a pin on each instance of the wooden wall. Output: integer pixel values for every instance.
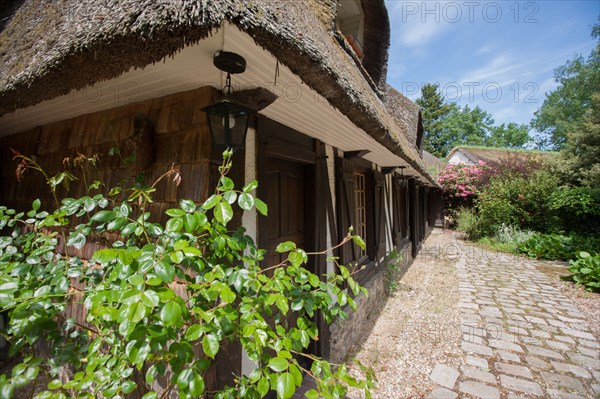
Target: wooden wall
(181, 138)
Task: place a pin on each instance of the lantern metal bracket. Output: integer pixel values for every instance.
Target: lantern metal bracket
(231, 63)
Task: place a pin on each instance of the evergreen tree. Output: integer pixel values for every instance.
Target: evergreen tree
(434, 110)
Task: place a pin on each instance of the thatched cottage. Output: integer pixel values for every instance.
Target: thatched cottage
(331, 144)
(471, 155)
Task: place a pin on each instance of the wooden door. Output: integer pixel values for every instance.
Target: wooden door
(287, 202)
(286, 198)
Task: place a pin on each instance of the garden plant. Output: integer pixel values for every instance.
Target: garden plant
(161, 300)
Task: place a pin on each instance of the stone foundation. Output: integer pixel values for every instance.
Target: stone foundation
(346, 335)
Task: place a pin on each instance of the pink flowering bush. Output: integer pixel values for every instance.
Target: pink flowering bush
(462, 183)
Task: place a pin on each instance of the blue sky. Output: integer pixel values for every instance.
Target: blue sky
(499, 55)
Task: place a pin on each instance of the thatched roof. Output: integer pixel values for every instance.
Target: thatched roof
(404, 111)
(433, 164)
(494, 154)
(50, 47)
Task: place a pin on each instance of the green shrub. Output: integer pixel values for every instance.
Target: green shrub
(467, 221)
(512, 235)
(586, 271)
(506, 239)
(555, 246)
(138, 326)
(518, 202)
(578, 209)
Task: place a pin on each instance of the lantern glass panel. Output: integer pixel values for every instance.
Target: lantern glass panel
(217, 130)
(238, 131)
(228, 124)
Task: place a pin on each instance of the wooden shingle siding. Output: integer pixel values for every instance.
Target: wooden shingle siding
(180, 137)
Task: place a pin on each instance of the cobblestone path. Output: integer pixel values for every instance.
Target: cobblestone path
(521, 337)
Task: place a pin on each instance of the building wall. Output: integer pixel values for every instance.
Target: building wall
(174, 133)
(459, 157)
(347, 335)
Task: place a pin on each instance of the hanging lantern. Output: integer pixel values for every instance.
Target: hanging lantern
(227, 120)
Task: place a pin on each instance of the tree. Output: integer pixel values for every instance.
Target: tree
(565, 108)
(511, 135)
(464, 126)
(434, 110)
(448, 125)
(580, 159)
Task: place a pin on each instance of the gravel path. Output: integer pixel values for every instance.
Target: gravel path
(478, 324)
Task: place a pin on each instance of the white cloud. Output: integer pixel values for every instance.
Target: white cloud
(412, 25)
(488, 48)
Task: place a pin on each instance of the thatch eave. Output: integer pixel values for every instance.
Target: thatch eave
(80, 50)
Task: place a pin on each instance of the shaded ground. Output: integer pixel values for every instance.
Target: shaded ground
(481, 324)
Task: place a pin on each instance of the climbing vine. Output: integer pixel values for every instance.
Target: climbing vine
(161, 300)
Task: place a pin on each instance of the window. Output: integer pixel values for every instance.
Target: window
(360, 198)
(360, 201)
(350, 21)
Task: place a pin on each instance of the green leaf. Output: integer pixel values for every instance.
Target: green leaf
(226, 184)
(150, 395)
(54, 384)
(174, 225)
(176, 257)
(165, 271)
(78, 241)
(285, 247)
(278, 364)
(171, 313)
(250, 186)
(246, 201)
(223, 212)
(297, 304)
(210, 345)
(154, 229)
(105, 255)
(117, 223)
(296, 374)
(8, 286)
(263, 386)
(187, 206)
(151, 374)
(6, 390)
(360, 242)
(191, 252)
(184, 378)
(282, 304)
(193, 332)
(128, 229)
(150, 298)
(312, 394)
(136, 312)
(295, 258)
(103, 216)
(136, 279)
(175, 212)
(227, 295)
(230, 197)
(189, 222)
(212, 201)
(285, 386)
(36, 204)
(197, 386)
(261, 206)
(128, 387)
